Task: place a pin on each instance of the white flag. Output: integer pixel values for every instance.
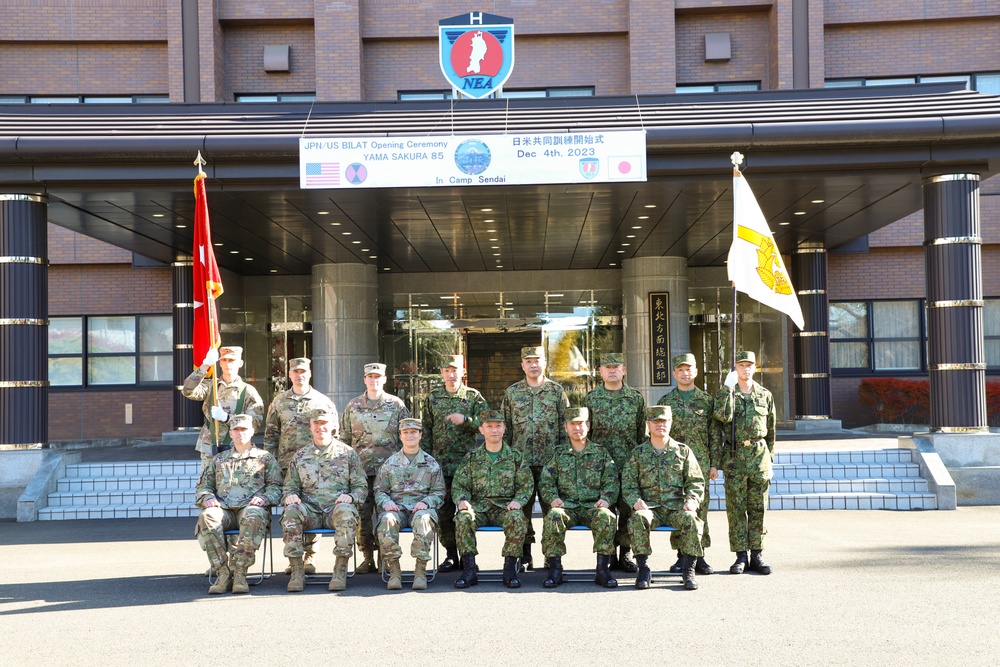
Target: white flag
(755, 265)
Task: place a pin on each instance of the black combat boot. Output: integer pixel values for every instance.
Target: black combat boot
(526, 556)
(469, 576)
(741, 563)
(702, 567)
(602, 577)
(676, 567)
(687, 573)
(511, 567)
(555, 572)
(644, 576)
(625, 562)
(451, 561)
(757, 563)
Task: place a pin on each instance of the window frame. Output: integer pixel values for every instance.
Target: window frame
(870, 341)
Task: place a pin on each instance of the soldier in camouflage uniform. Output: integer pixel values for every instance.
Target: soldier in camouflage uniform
(324, 486)
(491, 488)
(663, 483)
(746, 461)
(580, 484)
(234, 397)
(533, 412)
(450, 423)
(617, 421)
(408, 490)
(286, 429)
(694, 424)
(236, 488)
(370, 424)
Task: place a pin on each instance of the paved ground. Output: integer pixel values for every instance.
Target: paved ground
(849, 588)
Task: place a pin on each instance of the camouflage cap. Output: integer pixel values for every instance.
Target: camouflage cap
(490, 416)
(452, 361)
(656, 413)
(297, 363)
(374, 369)
(231, 352)
(322, 415)
(613, 359)
(746, 355)
(240, 421)
(682, 359)
(409, 422)
(532, 351)
(576, 415)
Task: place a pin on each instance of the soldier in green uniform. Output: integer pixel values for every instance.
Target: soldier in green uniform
(580, 484)
(450, 423)
(533, 412)
(234, 397)
(324, 486)
(746, 460)
(694, 424)
(664, 485)
(236, 488)
(286, 429)
(491, 487)
(617, 422)
(408, 490)
(370, 424)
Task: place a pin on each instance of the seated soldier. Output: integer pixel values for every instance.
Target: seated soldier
(581, 485)
(409, 488)
(664, 485)
(490, 488)
(237, 488)
(324, 485)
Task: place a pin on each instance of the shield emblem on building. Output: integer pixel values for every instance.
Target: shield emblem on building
(476, 52)
(589, 166)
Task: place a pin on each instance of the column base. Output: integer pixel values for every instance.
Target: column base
(973, 460)
(814, 425)
(187, 437)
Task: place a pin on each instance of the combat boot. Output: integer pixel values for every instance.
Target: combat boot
(419, 575)
(602, 577)
(240, 580)
(368, 564)
(526, 557)
(741, 563)
(221, 584)
(338, 582)
(469, 576)
(511, 567)
(676, 567)
(395, 576)
(702, 566)
(644, 576)
(308, 566)
(757, 563)
(555, 572)
(625, 563)
(451, 561)
(687, 573)
(298, 580)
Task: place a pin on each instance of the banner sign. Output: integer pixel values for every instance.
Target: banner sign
(659, 338)
(495, 159)
(476, 52)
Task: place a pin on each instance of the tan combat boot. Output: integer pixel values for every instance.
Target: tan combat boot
(309, 567)
(221, 584)
(395, 575)
(338, 582)
(420, 576)
(298, 580)
(367, 565)
(240, 580)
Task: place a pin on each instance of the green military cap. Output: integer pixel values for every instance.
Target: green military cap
(490, 416)
(297, 363)
(746, 355)
(612, 359)
(322, 415)
(532, 351)
(409, 422)
(374, 369)
(659, 413)
(240, 421)
(452, 360)
(682, 359)
(576, 415)
(231, 352)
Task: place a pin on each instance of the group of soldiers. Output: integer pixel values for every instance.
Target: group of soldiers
(374, 470)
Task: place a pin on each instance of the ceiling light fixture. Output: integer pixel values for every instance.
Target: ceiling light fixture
(818, 201)
(650, 206)
(485, 210)
(181, 226)
(644, 217)
(322, 213)
(158, 215)
(800, 213)
(784, 224)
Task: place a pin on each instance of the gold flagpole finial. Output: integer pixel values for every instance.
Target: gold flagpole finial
(737, 160)
(200, 162)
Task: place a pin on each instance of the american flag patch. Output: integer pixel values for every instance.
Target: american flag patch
(322, 174)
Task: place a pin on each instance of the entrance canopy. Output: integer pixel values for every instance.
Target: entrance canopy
(827, 166)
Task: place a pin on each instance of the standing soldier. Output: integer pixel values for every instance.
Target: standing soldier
(234, 397)
(694, 424)
(746, 460)
(286, 429)
(370, 424)
(237, 488)
(450, 423)
(408, 490)
(618, 423)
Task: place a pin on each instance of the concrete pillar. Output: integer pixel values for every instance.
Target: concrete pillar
(345, 328)
(640, 276)
(187, 413)
(24, 323)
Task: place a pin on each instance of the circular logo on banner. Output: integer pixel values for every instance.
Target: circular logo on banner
(472, 156)
(356, 173)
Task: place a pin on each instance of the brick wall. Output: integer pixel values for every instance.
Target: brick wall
(748, 34)
(83, 20)
(67, 247)
(852, 11)
(108, 289)
(244, 58)
(87, 415)
(79, 68)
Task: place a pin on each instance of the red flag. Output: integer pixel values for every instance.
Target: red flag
(207, 282)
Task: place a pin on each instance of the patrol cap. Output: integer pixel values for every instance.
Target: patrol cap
(374, 369)
(452, 361)
(532, 352)
(322, 415)
(576, 415)
(746, 355)
(297, 363)
(409, 422)
(612, 359)
(656, 413)
(231, 352)
(240, 421)
(490, 416)
(682, 359)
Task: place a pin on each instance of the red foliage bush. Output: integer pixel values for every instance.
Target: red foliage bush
(909, 401)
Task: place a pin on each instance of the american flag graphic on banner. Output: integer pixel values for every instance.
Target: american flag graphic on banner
(322, 173)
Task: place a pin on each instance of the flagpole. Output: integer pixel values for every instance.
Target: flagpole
(737, 159)
(210, 304)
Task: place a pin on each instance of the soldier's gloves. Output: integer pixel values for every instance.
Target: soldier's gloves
(732, 379)
(219, 414)
(211, 357)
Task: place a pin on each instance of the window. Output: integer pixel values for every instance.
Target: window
(984, 82)
(877, 337)
(276, 97)
(97, 351)
(991, 329)
(84, 99)
(688, 89)
(522, 93)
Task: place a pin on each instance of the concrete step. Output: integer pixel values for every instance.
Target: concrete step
(112, 498)
(75, 484)
(61, 513)
(138, 468)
